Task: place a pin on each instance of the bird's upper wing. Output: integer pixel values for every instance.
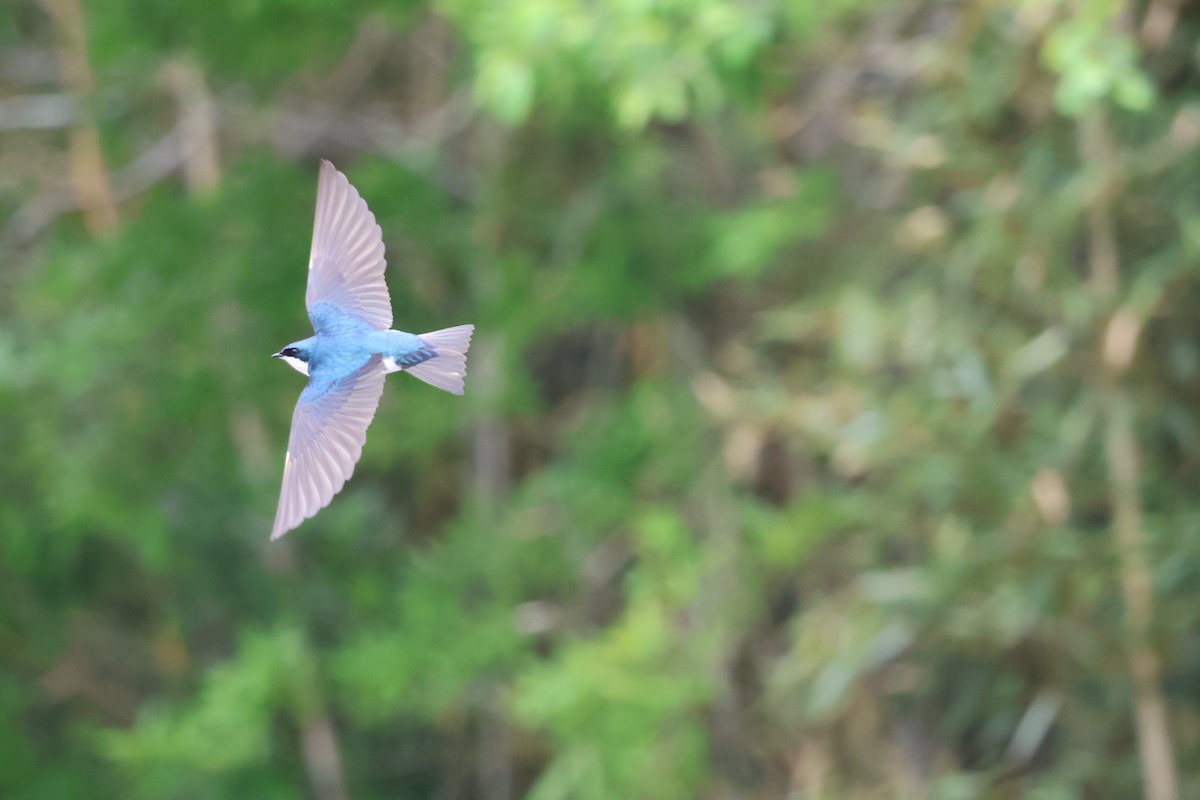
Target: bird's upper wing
(345, 266)
(329, 427)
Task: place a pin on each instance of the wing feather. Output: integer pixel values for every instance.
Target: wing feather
(346, 264)
(329, 427)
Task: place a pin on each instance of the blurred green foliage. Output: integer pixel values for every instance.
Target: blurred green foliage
(830, 431)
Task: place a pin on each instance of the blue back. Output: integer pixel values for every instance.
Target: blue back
(342, 343)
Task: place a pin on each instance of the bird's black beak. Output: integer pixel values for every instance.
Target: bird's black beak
(276, 355)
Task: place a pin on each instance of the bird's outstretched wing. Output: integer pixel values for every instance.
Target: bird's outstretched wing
(329, 427)
(346, 264)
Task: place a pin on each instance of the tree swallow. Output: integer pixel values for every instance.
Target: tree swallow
(354, 347)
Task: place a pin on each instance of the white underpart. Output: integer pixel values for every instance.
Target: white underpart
(296, 364)
(391, 365)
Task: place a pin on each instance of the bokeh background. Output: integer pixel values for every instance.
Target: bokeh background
(831, 427)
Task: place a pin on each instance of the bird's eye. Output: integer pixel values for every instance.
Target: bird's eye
(291, 351)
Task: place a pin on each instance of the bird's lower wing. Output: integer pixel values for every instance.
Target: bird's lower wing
(329, 427)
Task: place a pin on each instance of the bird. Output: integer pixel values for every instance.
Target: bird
(352, 349)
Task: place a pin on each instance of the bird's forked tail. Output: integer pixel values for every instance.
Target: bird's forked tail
(447, 369)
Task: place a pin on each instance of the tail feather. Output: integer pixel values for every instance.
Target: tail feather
(448, 368)
(457, 338)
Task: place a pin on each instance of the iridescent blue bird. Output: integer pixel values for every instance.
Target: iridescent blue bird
(354, 347)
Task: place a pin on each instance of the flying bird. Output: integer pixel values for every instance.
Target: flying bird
(352, 349)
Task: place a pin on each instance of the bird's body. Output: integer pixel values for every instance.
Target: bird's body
(352, 348)
(346, 343)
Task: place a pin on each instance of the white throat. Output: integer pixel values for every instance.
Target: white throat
(296, 364)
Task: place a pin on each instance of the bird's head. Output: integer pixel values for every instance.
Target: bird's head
(296, 356)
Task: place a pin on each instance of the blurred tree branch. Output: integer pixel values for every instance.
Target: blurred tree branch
(1118, 346)
(197, 126)
(89, 175)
